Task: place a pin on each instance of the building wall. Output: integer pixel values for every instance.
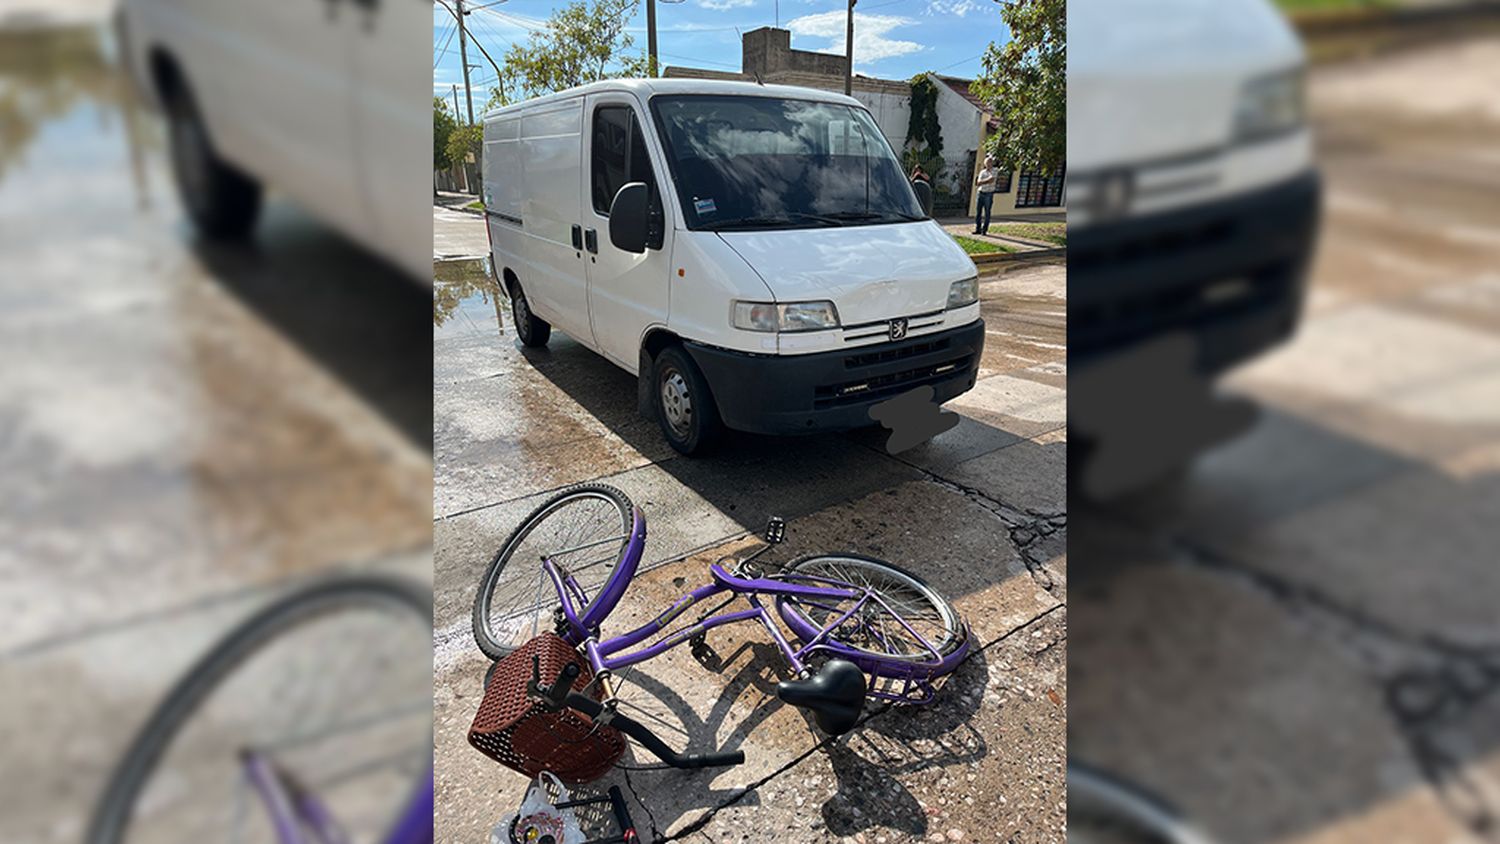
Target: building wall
(768, 51)
(962, 126)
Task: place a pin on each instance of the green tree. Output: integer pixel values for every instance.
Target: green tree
(464, 140)
(443, 125)
(497, 99)
(584, 41)
(1025, 79)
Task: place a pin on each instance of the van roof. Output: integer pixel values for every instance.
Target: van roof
(644, 88)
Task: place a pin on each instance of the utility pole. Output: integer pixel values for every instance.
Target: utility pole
(463, 55)
(651, 36)
(848, 53)
(455, 102)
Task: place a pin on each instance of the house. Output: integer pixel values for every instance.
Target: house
(966, 123)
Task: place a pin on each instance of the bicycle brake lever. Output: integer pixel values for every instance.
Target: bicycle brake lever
(557, 694)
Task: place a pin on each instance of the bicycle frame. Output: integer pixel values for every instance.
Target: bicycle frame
(299, 817)
(615, 653)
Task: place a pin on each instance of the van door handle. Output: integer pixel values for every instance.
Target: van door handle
(578, 237)
(591, 240)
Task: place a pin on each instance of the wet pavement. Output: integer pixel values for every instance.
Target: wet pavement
(186, 429)
(1298, 641)
(979, 512)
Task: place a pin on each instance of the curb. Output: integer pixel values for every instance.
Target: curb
(1335, 34)
(1315, 21)
(1029, 256)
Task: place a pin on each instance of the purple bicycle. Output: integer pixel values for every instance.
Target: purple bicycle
(310, 723)
(863, 628)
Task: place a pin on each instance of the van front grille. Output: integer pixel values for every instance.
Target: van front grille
(882, 386)
(888, 355)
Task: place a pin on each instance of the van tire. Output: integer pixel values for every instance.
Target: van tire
(222, 202)
(684, 403)
(533, 331)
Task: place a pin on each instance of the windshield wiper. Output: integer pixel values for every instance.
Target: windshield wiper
(871, 215)
(781, 220)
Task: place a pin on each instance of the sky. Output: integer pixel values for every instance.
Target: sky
(893, 39)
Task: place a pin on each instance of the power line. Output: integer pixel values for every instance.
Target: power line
(443, 54)
(956, 64)
(703, 61)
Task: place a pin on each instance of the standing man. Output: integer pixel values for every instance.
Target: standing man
(986, 182)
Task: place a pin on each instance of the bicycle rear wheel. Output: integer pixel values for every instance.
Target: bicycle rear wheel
(585, 530)
(874, 638)
(331, 684)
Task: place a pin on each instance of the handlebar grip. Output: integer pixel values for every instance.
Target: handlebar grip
(651, 742)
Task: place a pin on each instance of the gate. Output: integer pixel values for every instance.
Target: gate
(952, 196)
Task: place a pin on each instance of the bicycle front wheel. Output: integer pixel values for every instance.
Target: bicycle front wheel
(330, 685)
(885, 637)
(1103, 809)
(585, 531)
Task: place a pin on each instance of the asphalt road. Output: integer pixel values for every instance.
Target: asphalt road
(980, 512)
(1299, 641)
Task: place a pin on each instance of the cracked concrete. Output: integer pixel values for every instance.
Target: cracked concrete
(512, 426)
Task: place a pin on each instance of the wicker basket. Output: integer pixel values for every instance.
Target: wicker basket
(523, 736)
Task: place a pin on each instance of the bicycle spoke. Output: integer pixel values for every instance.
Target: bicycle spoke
(895, 621)
(584, 533)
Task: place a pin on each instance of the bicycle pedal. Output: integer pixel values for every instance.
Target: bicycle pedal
(775, 530)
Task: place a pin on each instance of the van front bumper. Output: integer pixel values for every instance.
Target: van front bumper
(833, 391)
(1230, 273)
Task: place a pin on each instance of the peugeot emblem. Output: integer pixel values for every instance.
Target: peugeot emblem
(898, 328)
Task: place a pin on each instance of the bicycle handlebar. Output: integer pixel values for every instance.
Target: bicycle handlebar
(651, 742)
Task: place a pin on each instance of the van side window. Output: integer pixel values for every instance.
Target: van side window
(619, 156)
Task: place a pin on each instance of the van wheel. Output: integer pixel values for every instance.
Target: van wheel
(684, 406)
(532, 329)
(221, 201)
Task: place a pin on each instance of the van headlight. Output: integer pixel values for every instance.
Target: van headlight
(963, 293)
(785, 316)
(1271, 104)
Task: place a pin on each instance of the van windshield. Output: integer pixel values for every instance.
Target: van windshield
(762, 163)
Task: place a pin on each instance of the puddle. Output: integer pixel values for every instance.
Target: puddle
(466, 299)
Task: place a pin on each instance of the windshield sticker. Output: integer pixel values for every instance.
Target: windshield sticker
(705, 206)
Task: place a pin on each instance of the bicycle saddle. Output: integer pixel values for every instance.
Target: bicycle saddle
(836, 695)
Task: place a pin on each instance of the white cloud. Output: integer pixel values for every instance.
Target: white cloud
(961, 8)
(870, 41)
(725, 5)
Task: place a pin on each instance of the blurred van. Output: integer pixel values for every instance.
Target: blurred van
(1192, 193)
(324, 101)
(752, 253)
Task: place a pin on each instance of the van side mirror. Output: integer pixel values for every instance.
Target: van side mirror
(629, 218)
(924, 195)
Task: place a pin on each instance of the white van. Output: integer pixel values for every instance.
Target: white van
(326, 102)
(1193, 197)
(753, 253)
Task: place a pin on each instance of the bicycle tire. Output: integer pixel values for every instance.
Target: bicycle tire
(490, 644)
(805, 627)
(1104, 809)
(113, 813)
